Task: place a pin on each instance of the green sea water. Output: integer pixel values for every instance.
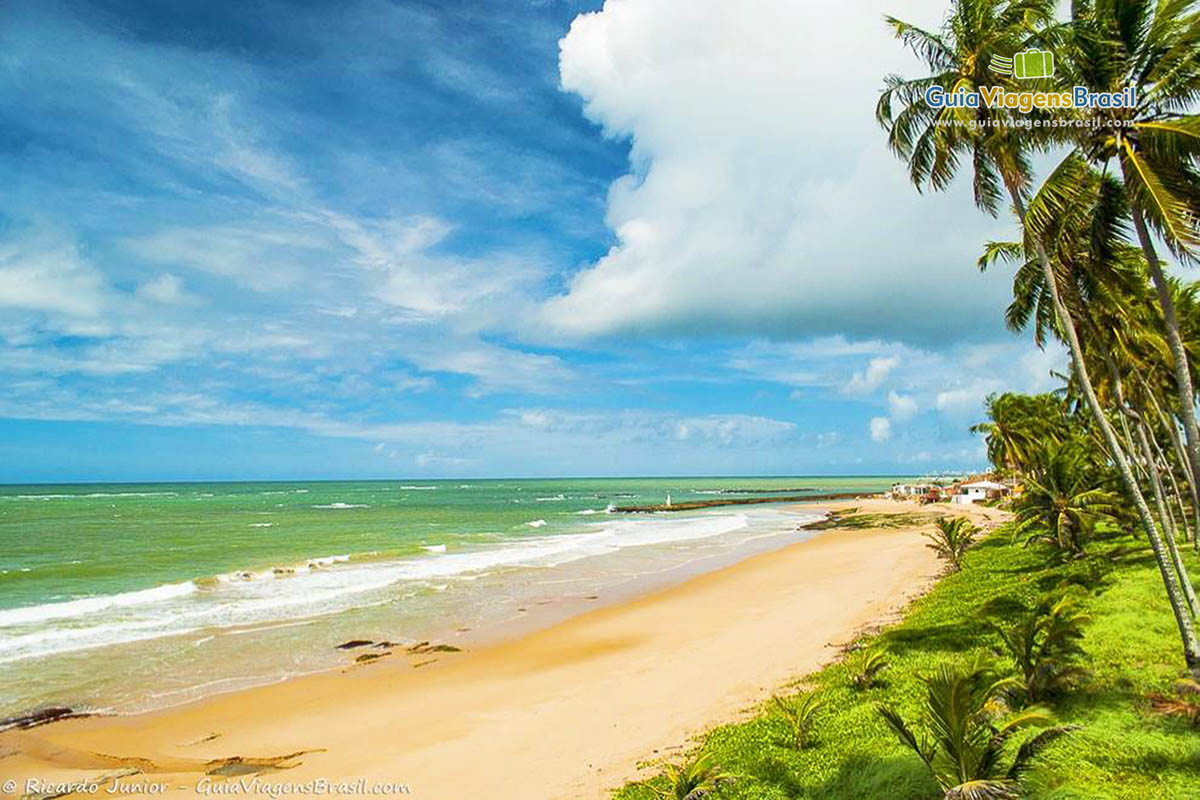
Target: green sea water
(130, 596)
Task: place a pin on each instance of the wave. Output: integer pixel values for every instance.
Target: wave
(90, 495)
(241, 576)
(537, 523)
(419, 488)
(322, 586)
(342, 506)
(608, 509)
(90, 605)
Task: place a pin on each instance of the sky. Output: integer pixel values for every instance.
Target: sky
(514, 238)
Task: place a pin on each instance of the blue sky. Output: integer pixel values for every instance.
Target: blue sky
(396, 239)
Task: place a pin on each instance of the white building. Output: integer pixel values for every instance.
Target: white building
(977, 491)
(905, 490)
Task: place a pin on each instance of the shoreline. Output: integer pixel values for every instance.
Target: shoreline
(522, 612)
(527, 704)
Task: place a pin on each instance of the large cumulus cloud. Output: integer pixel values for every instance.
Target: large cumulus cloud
(761, 198)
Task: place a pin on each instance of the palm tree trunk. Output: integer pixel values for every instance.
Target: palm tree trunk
(1119, 394)
(1169, 469)
(1189, 476)
(1168, 522)
(1183, 376)
(1187, 631)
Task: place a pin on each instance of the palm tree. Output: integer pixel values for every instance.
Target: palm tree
(1044, 644)
(1102, 283)
(800, 714)
(951, 538)
(1064, 502)
(1153, 47)
(866, 675)
(1018, 425)
(965, 743)
(934, 141)
(694, 780)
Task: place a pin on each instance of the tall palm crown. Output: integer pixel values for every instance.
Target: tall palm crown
(1154, 48)
(1082, 218)
(935, 141)
(1019, 426)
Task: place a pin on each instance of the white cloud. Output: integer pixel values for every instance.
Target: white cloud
(495, 368)
(901, 407)
(264, 256)
(166, 289)
(435, 460)
(968, 400)
(762, 197)
(44, 273)
(876, 373)
(881, 429)
(403, 271)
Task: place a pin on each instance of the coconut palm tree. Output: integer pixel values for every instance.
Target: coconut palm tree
(934, 142)
(1063, 503)
(694, 780)
(800, 713)
(1154, 48)
(1044, 644)
(1018, 426)
(964, 746)
(951, 538)
(1103, 286)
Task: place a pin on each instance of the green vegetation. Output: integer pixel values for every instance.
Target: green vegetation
(964, 748)
(1045, 644)
(867, 672)
(850, 519)
(695, 780)
(1122, 748)
(950, 539)
(800, 713)
(1064, 502)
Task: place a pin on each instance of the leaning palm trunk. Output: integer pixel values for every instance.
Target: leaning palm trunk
(1177, 495)
(1181, 456)
(1187, 631)
(1168, 522)
(1183, 376)
(1169, 470)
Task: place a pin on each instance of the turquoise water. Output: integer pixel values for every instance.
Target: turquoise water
(119, 597)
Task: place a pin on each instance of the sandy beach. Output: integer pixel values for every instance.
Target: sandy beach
(565, 712)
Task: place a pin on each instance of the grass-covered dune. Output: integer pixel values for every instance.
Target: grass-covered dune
(1121, 748)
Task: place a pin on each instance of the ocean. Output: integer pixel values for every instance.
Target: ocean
(119, 598)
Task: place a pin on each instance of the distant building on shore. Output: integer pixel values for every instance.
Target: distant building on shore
(901, 490)
(977, 492)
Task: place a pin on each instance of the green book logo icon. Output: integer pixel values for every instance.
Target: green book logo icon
(1026, 65)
